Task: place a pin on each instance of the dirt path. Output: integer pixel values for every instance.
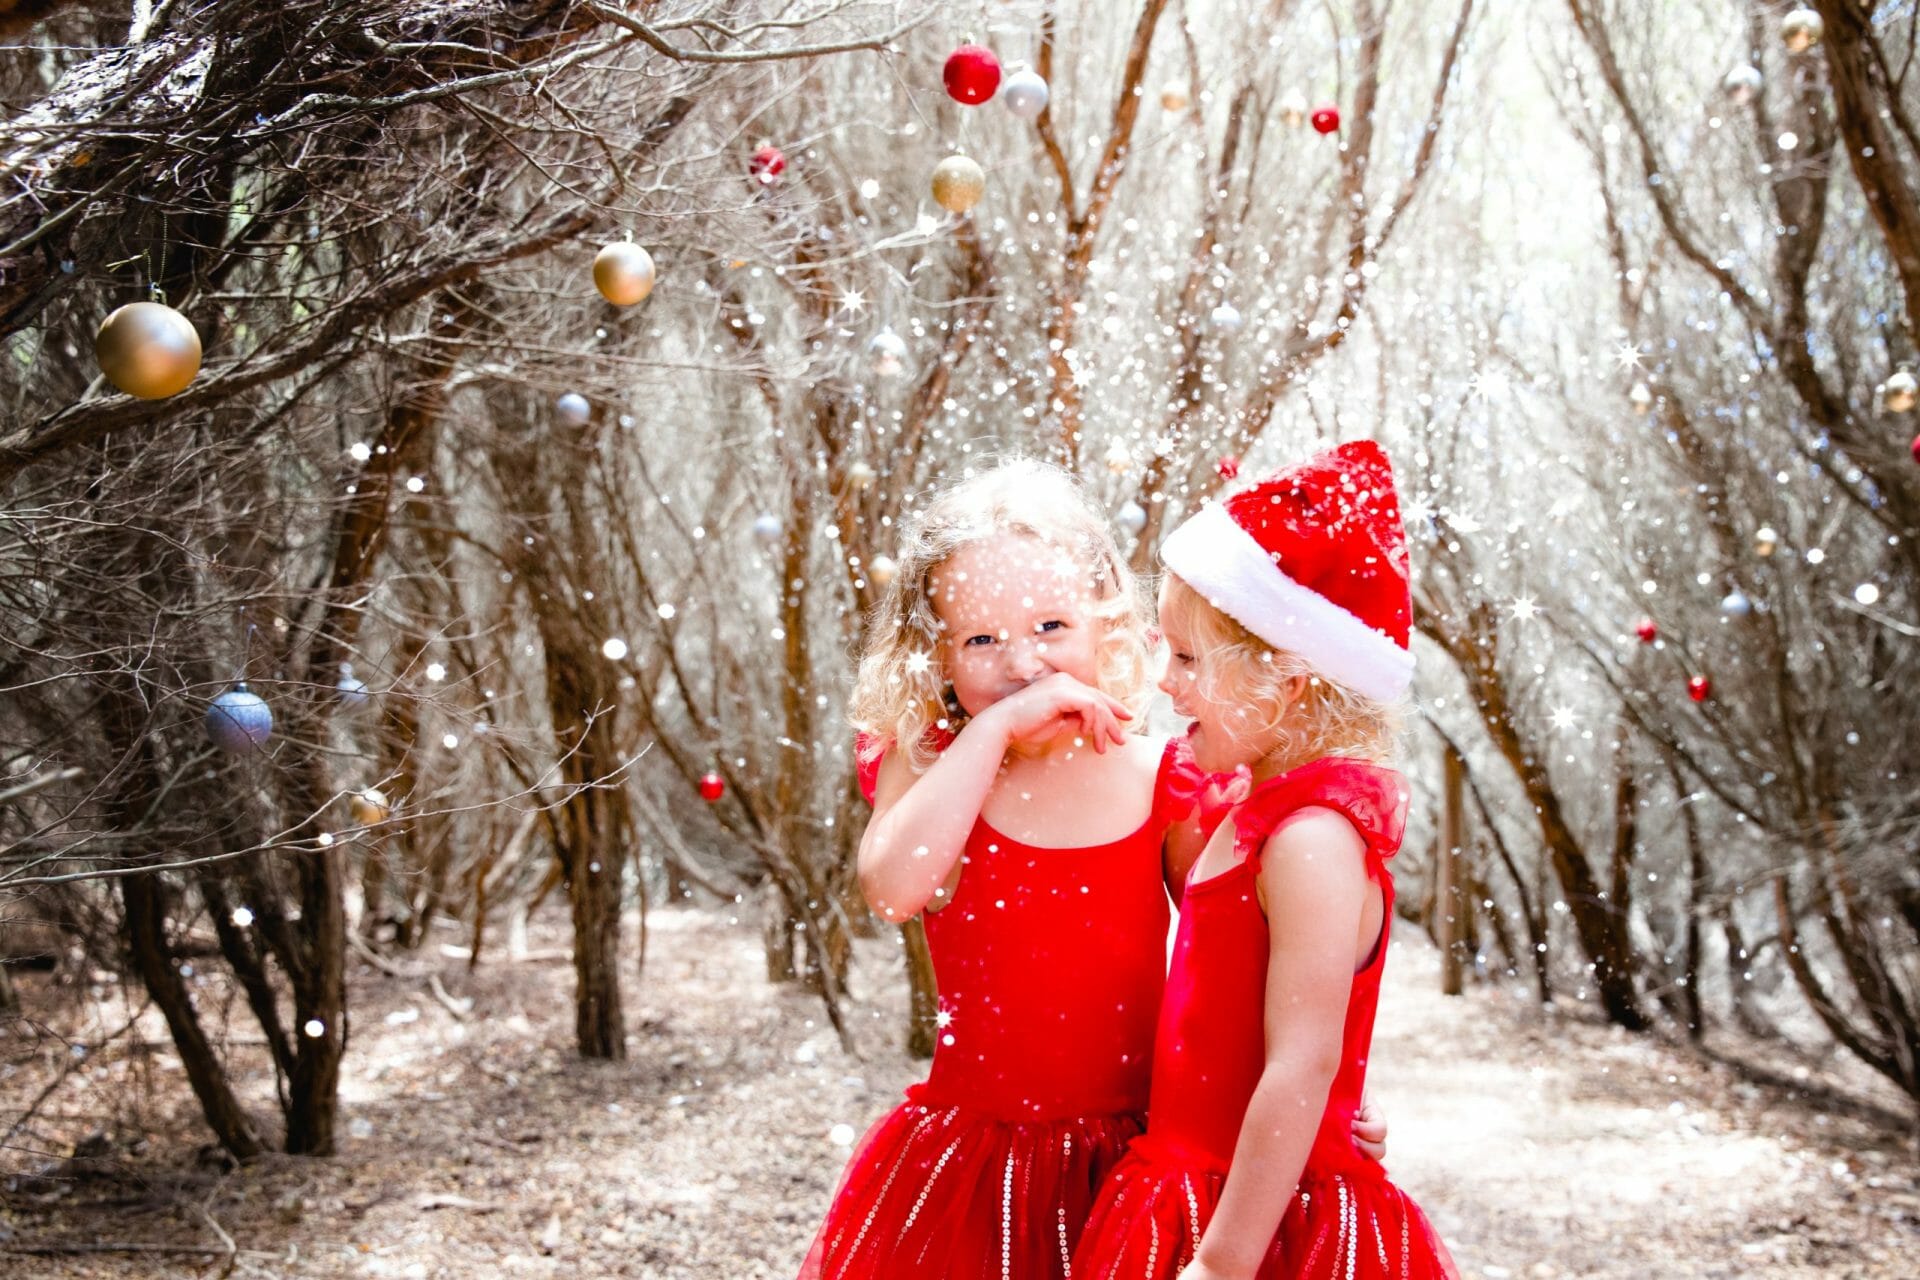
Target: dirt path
(1541, 1147)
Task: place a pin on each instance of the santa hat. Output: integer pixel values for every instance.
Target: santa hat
(1312, 559)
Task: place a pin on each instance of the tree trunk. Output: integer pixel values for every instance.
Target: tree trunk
(1448, 906)
(144, 897)
(9, 998)
(249, 968)
(593, 892)
(1626, 840)
(679, 888)
(1533, 910)
(776, 938)
(1599, 931)
(593, 831)
(319, 1000)
(1739, 1010)
(373, 888)
(1871, 147)
(1690, 962)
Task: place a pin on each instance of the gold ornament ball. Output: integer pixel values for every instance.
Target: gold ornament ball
(148, 349)
(1802, 29)
(369, 807)
(623, 273)
(1173, 97)
(958, 184)
(1900, 391)
(881, 571)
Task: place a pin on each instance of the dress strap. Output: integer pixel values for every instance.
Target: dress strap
(1371, 797)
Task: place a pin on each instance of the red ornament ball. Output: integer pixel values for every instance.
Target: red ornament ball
(712, 787)
(1228, 466)
(1646, 630)
(1326, 119)
(972, 74)
(1699, 688)
(767, 164)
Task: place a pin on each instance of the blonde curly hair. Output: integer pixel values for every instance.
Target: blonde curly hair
(1246, 673)
(902, 691)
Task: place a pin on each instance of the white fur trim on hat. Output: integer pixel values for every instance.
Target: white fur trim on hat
(1223, 562)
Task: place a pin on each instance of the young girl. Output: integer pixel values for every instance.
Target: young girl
(1016, 809)
(1286, 611)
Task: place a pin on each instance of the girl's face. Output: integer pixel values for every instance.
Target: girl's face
(1224, 734)
(1013, 609)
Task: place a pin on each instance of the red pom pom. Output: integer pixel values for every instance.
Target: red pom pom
(767, 164)
(1699, 688)
(712, 787)
(1916, 448)
(972, 74)
(1647, 632)
(1228, 466)
(1327, 119)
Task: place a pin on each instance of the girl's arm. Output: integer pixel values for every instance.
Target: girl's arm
(1314, 881)
(920, 822)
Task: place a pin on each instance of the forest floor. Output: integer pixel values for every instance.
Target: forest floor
(474, 1144)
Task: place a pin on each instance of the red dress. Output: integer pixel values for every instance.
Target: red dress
(1346, 1219)
(1050, 964)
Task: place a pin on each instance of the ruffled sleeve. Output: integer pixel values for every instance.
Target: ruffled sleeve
(869, 750)
(1178, 784)
(1371, 797)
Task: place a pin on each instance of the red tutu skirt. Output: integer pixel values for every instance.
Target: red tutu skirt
(1339, 1226)
(950, 1193)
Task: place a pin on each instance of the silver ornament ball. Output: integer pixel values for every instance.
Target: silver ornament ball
(352, 689)
(888, 352)
(1025, 93)
(239, 721)
(1802, 29)
(1741, 84)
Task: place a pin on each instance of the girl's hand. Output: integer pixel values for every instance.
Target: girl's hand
(1198, 1270)
(1043, 709)
(1370, 1131)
